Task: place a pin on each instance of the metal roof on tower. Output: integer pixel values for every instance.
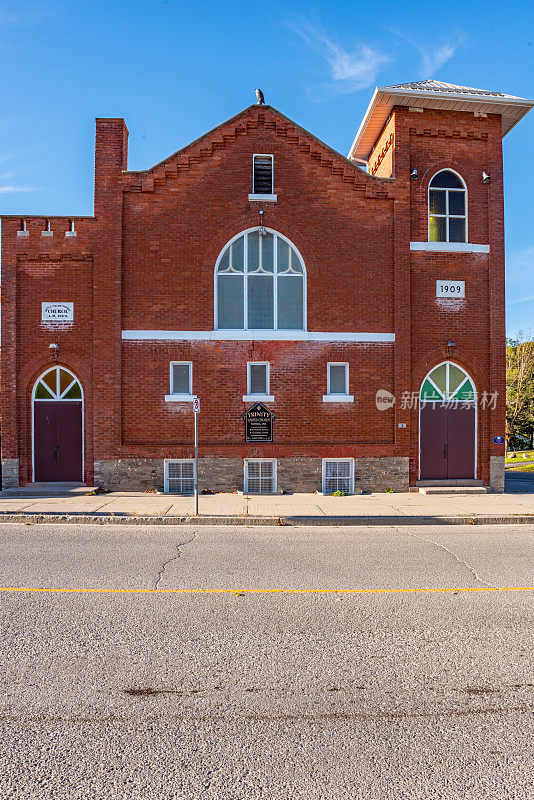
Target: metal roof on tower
(433, 95)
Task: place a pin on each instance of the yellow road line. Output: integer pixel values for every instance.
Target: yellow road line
(238, 591)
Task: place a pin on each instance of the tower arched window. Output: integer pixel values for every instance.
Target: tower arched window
(260, 283)
(447, 208)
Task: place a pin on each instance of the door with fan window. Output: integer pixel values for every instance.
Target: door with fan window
(57, 427)
(447, 424)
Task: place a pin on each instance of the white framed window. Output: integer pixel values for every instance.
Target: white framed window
(260, 475)
(258, 380)
(181, 381)
(447, 208)
(338, 475)
(260, 283)
(179, 476)
(262, 177)
(337, 383)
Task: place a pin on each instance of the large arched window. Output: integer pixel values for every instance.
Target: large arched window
(260, 283)
(447, 208)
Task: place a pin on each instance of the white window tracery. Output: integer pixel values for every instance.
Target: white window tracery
(260, 283)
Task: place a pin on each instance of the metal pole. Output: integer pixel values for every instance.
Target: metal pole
(196, 465)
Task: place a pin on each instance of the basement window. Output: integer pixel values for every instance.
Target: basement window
(338, 475)
(179, 476)
(260, 475)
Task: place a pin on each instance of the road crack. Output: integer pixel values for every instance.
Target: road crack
(163, 567)
(471, 569)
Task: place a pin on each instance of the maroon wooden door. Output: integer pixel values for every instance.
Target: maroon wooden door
(57, 435)
(447, 442)
(433, 442)
(461, 441)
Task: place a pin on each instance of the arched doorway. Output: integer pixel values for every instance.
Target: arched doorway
(57, 402)
(447, 424)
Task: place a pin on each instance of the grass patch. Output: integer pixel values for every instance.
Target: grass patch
(520, 467)
(522, 455)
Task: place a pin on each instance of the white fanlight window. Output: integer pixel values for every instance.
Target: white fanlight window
(338, 475)
(179, 476)
(260, 284)
(260, 475)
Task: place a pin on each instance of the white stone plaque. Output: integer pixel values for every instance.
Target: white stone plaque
(57, 312)
(450, 290)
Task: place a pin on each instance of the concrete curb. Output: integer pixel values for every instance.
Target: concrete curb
(356, 521)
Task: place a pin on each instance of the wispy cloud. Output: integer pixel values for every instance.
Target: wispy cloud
(520, 264)
(521, 300)
(350, 70)
(12, 189)
(433, 57)
(520, 276)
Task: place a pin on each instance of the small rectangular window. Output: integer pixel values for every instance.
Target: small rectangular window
(258, 378)
(260, 475)
(338, 379)
(181, 377)
(263, 174)
(338, 475)
(179, 476)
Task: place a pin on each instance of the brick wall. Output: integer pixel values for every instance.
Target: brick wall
(146, 261)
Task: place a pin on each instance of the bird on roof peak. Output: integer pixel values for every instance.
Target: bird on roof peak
(259, 95)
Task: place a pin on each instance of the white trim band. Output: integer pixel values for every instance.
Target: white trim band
(258, 398)
(338, 398)
(450, 247)
(179, 398)
(266, 336)
(263, 198)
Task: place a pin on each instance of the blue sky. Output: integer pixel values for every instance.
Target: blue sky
(174, 70)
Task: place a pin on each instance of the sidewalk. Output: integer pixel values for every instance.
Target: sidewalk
(295, 509)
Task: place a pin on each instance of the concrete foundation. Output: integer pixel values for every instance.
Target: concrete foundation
(10, 473)
(226, 474)
(497, 473)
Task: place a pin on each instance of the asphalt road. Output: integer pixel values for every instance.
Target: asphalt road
(242, 691)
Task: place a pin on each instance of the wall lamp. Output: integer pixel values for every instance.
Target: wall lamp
(450, 343)
(54, 349)
(486, 178)
(413, 175)
(261, 230)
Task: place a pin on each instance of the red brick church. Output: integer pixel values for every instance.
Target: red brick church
(341, 320)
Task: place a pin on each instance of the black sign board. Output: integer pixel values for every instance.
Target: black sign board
(258, 423)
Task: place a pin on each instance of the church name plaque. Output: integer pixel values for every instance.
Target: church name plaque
(57, 312)
(258, 423)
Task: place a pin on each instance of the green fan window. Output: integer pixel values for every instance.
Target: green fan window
(447, 382)
(57, 384)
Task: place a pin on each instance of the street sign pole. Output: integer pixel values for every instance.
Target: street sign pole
(196, 409)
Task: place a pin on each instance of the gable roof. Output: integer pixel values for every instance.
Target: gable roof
(226, 132)
(435, 95)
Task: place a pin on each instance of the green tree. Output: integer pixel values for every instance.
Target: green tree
(520, 388)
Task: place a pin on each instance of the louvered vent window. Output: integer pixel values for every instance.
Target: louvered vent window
(337, 476)
(180, 477)
(263, 175)
(260, 476)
